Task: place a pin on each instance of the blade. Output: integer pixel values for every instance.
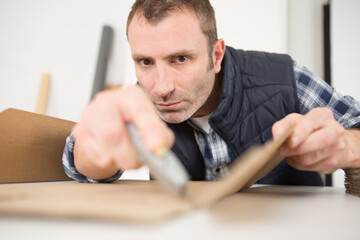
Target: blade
(167, 168)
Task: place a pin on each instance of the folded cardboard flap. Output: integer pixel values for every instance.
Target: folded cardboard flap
(31, 147)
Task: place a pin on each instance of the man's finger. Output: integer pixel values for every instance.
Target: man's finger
(310, 158)
(312, 121)
(323, 138)
(142, 114)
(280, 127)
(106, 123)
(89, 148)
(130, 159)
(327, 165)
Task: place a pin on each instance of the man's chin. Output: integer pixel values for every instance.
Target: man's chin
(173, 117)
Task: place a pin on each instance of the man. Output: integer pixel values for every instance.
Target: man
(216, 102)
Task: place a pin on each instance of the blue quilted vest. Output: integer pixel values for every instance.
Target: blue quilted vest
(258, 89)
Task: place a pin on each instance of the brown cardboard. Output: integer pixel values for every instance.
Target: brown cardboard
(31, 147)
(123, 200)
(143, 201)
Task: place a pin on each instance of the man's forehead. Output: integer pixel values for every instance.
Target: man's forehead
(179, 33)
(154, 20)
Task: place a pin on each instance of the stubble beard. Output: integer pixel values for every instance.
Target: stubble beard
(184, 113)
(191, 103)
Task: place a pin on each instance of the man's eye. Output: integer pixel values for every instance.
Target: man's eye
(145, 62)
(181, 59)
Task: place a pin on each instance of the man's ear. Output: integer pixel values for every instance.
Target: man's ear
(218, 54)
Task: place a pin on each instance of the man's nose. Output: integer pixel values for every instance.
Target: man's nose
(164, 83)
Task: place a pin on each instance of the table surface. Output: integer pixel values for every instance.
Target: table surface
(268, 212)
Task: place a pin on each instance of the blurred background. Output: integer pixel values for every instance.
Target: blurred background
(62, 38)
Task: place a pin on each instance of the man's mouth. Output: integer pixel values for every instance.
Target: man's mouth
(167, 105)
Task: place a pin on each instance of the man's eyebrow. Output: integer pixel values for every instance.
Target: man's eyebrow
(181, 53)
(138, 57)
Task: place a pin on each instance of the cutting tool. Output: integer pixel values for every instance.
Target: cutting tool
(165, 167)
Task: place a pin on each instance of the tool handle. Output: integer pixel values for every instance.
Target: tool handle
(43, 94)
(103, 59)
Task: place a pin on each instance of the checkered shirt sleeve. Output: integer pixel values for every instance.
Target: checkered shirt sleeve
(314, 92)
(69, 167)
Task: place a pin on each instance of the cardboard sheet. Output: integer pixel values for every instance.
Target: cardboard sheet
(31, 147)
(133, 201)
(124, 200)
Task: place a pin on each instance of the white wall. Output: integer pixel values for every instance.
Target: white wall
(60, 38)
(345, 37)
(253, 24)
(305, 33)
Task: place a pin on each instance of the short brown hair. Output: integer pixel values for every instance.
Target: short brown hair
(155, 10)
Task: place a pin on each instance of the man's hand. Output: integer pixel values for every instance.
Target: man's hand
(318, 142)
(102, 143)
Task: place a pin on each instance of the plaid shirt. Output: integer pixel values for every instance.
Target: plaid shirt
(69, 166)
(312, 92)
(217, 156)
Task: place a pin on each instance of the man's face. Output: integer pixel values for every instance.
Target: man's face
(172, 64)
